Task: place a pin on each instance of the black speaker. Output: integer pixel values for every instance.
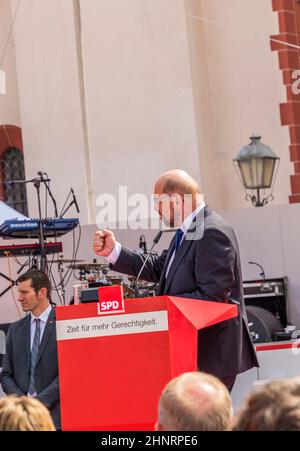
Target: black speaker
(269, 294)
(263, 324)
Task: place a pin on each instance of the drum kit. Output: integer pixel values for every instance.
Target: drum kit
(94, 275)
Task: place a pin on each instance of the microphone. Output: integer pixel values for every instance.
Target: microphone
(75, 201)
(155, 241)
(262, 274)
(143, 245)
(41, 175)
(265, 286)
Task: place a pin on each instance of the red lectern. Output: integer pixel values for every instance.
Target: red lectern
(112, 368)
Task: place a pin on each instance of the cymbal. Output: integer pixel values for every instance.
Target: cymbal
(65, 260)
(115, 278)
(90, 266)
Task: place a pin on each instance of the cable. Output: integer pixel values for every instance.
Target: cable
(11, 287)
(46, 202)
(75, 255)
(66, 278)
(10, 255)
(229, 27)
(56, 288)
(69, 270)
(9, 35)
(63, 207)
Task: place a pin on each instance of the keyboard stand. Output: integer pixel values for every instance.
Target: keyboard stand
(15, 282)
(12, 284)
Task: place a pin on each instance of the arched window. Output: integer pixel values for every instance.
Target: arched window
(13, 169)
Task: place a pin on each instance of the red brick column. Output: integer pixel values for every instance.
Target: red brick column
(10, 136)
(289, 61)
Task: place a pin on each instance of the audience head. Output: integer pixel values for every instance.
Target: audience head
(275, 406)
(24, 414)
(194, 402)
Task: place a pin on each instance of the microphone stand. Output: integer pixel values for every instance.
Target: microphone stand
(155, 241)
(69, 206)
(43, 262)
(37, 184)
(47, 186)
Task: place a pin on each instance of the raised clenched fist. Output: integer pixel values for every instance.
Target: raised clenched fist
(104, 243)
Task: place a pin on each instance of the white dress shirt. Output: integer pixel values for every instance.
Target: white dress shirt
(43, 320)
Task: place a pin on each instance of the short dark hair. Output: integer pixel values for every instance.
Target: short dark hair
(38, 280)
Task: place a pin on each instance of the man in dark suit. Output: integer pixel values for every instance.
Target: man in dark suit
(30, 364)
(202, 262)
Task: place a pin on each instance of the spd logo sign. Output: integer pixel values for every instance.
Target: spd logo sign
(111, 300)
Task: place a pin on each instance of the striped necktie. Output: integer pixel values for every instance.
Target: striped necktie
(34, 354)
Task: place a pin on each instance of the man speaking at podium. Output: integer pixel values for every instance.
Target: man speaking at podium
(202, 262)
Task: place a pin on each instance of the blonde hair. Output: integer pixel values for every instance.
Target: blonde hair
(24, 414)
(195, 401)
(274, 406)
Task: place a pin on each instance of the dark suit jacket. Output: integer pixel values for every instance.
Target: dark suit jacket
(15, 373)
(209, 269)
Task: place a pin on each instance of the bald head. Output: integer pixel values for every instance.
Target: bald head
(177, 195)
(195, 402)
(176, 181)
